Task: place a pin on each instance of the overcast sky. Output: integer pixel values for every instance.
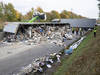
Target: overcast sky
(86, 8)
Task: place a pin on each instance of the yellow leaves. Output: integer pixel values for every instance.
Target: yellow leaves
(39, 9)
(17, 15)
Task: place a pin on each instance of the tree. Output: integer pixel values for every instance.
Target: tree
(55, 15)
(18, 16)
(64, 14)
(2, 11)
(40, 10)
(48, 15)
(29, 15)
(10, 12)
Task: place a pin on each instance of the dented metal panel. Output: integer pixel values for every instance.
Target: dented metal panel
(11, 28)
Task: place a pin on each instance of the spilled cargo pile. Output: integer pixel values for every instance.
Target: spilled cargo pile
(31, 35)
(40, 65)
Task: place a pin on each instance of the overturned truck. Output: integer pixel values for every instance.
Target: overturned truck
(19, 31)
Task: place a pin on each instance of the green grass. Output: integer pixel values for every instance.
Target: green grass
(75, 64)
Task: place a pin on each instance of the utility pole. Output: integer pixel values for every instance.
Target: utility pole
(99, 8)
(71, 13)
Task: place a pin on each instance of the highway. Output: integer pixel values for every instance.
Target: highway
(12, 64)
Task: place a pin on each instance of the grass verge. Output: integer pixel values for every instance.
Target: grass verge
(85, 60)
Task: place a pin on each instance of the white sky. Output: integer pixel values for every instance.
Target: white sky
(87, 8)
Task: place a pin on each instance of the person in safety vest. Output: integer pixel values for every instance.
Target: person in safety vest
(94, 32)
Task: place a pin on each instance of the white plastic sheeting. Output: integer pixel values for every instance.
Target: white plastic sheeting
(74, 46)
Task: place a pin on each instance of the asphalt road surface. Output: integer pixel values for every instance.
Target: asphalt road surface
(12, 64)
